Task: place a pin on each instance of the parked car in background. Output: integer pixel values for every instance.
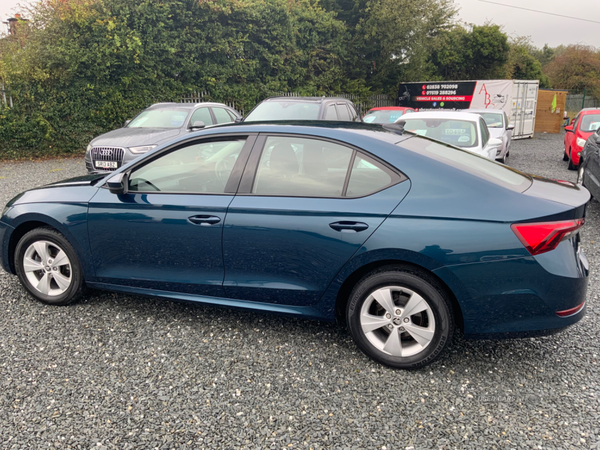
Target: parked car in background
(394, 234)
(583, 126)
(589, 164)
(155, 125)
(386, 114)
(304, 108)
(499, 127)
(464, 130)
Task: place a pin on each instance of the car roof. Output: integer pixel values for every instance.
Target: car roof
(477, 111)
(171, 105)
(305, 99)
(440, 114)
(391, 108)
(590, 110)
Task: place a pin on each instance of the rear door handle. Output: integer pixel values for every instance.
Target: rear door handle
(349, 227)
(204, 221)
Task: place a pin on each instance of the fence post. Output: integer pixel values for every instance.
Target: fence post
(583, 101)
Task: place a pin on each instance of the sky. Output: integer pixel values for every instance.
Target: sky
(542, 28)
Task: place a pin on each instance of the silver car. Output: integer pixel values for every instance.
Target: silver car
(153, 126)
(500, 128)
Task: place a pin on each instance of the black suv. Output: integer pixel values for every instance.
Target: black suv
(304, 108)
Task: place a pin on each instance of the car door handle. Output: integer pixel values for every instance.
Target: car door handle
(204, 221)
(349, 227)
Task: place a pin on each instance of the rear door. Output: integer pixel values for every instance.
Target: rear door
(304, 207)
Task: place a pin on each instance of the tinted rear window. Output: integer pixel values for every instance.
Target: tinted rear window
(469, 162)
(284, 110)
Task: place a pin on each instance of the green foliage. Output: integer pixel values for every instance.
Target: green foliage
(476, 54)
(523, 64)
(576, 67)
(85, 66)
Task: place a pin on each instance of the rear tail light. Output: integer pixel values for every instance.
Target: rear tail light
(543, 237)
(570, 312)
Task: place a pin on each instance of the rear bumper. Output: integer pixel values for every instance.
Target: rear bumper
(523, 295)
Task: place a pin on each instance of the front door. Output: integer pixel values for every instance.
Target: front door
(165, 232)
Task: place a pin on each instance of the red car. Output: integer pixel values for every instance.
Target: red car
(386, 114)
(582, 127)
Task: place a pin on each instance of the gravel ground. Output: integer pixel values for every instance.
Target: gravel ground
(117, 371)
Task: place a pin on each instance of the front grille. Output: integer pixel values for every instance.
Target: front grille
(113, 154)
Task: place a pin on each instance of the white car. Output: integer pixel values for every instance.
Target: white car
(460, 129)
(500, 128)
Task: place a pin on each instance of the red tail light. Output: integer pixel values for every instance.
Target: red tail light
(544, 236)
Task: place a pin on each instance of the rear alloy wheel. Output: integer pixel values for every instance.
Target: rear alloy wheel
(400, 318)
(48, 267)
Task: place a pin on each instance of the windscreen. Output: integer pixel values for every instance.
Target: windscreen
(159, 118)
(284, 110)
(462, 133)
(590, 122)
(383, 115)
(492, 120)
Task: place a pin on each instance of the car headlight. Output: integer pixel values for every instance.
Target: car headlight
(580, 142)
(142, 149)
(89, 148)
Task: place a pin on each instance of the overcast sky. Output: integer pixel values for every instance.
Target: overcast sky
(543, 28)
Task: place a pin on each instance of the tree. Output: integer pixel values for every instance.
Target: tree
(523, 65)
(576, 68)
(478, 53)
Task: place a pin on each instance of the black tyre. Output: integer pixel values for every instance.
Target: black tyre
(48, 267)
(571, 165)
(400, 318)
(565, 156)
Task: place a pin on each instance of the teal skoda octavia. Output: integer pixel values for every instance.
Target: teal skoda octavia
(403, 238)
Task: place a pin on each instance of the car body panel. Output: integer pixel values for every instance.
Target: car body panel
(590, 165)
(504, 132)
(439, 219)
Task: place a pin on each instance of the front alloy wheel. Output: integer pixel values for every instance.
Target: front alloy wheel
(400, 318)
(48, 268)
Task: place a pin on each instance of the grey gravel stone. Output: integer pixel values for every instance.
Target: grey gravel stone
(125, 372)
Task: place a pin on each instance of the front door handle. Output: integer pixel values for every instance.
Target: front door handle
(349, 227)
(204, 221)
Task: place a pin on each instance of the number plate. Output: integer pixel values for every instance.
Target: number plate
(106, 164)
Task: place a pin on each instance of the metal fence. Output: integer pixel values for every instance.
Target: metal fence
(6, 98)
(576, 102)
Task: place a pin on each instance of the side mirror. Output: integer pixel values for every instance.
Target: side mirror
(197, 125)
(569, 128)
(117, 183)
(238, 119)
(493, 142)
(127, 122)
(510, 127)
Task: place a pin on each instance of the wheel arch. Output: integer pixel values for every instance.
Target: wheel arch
(31, 222)
(343, 294)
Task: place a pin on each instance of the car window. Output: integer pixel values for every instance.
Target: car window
(575, 122)
(493, 120)
(159, 118)
(302, 167)
(284, 110)
(330, 113)
(203, 115)
(461, 133)
(469, 162)
(383, 115)
(232, 115)
(221, 115)
(353, 113)
(369, 176)
(485, 133)
(590, 122)
(198, 168)
(343, 112)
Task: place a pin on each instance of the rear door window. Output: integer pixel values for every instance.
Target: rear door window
(343, 113)
(221, 115)
(203, 115)
(330, 113)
